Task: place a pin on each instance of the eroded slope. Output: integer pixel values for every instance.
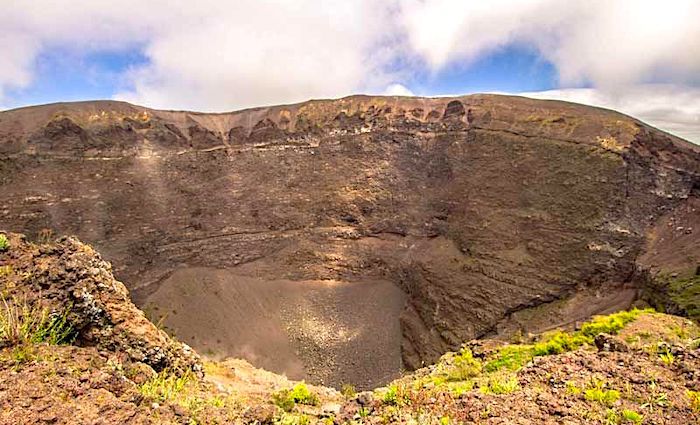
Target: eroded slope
(477, 207)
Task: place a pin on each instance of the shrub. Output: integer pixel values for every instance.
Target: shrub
(348, 391)
(391, 396)
(464, 366)
(286, 399)
(500, 385)
(4, 243)
(282, 400)
(302, 395)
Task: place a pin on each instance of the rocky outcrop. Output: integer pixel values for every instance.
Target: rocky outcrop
(69, 278)
(479, 207)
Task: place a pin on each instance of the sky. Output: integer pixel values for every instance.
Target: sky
(637, 56)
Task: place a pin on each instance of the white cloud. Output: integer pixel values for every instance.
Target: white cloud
(209, 54)
(218, 55)
(608, 43)
(397, 89)
(675, 109)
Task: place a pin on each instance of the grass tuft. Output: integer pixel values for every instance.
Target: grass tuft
(21, 323)
(463, 367)
(166, 385)
(500, 385)
(299, 394)
(630, 416)
(612, 323)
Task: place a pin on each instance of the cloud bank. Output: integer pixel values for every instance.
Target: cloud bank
(636, 55)
(675, 109)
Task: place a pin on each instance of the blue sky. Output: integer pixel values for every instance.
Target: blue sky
(63, 75)
(638, 56)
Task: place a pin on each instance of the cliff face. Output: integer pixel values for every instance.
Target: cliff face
(481, 208)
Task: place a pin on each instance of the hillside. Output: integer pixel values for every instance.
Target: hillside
(342, 241)
(75, 350)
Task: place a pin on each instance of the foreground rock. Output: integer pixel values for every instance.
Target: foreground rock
(627, 368)
(69, 279)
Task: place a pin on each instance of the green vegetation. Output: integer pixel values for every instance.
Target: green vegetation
(500, 384)
(630, 416)
(694, 397)
(607, 397)
(611, 324)
(293, 419)
(655, 399)
(596, 391)
(678, 295)
(4, 243)
(511, 357)
(391, 396)
(667, 357)
(21, 323)
(560, 342)
(572, 389)
(165, 386)
(348, 391)
(299, 394)
(464, 366)
(461, 372)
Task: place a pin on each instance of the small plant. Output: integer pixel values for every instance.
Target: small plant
(597, 392)
(348, 391)
(500, 385)
(667, 357)
(464, 366)
(630, 416)
(5, 270)
(694, 397)
(22, 354)
(572, 389)
(655, 399)
(611, 417)
(391, 396)
(293, 419)
(299, 394)
(166, 385)
(4, 243)
(282, 400)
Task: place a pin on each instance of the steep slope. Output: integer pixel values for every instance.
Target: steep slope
(627, 368)
(492, 214)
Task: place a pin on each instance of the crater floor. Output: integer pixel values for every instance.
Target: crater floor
(327, 332)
